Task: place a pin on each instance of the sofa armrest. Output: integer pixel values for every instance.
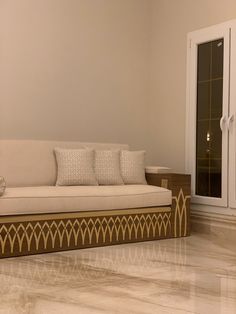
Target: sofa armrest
(157, 169)
(180, 185)
(171, 181)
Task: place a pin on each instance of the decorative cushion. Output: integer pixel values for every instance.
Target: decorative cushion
(107, 167)
(133, 167)
(75, 167)
(2, 186)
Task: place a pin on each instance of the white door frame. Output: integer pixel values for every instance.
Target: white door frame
(195, 38)
(231, 119)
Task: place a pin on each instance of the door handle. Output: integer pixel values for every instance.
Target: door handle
(230, 120)
(222, 122)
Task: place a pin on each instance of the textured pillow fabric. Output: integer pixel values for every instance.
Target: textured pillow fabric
(75, 167)
(133, 167)
(2, 186)
(107, 167)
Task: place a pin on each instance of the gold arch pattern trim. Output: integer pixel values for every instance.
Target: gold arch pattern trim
(181, 219)
(25, 237)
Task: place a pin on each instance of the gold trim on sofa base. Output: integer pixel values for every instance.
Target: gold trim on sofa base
(31, 234)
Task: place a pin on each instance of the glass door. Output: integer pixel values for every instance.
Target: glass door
(208, 76)
(210, 57)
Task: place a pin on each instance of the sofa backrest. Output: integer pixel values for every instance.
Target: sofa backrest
(32, 162)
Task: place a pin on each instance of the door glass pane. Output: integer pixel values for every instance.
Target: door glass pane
(209, 112)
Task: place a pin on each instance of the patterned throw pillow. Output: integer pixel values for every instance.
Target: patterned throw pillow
(75, 167)
(107, 167)
(2, 186)
(133, 167)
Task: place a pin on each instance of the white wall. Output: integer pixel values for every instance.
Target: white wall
(74, 70)
(171, 21)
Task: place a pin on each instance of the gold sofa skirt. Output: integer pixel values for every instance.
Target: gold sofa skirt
(43, 233)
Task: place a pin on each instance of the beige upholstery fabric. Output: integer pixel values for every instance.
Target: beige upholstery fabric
(2, 186)
(48, 199)
(133, 167)
(107, 167)
(32, 162)
(75, 167)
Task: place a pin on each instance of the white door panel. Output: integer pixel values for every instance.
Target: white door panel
(194, 40)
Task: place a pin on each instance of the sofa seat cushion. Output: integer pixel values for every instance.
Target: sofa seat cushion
(56, 199)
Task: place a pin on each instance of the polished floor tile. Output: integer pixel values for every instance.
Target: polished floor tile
(188, 275)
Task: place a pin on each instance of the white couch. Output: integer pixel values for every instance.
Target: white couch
(38, 217)
(29, 168)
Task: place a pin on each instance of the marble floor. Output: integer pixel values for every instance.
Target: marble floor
(188, 275)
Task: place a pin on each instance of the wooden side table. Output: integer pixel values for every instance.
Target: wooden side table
(180, 185)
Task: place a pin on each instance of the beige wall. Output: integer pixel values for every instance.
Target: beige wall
(171, 21)
(100, 70)
(74, 70)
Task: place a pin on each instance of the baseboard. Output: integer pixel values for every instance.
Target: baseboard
(213, 219)
(218, 227)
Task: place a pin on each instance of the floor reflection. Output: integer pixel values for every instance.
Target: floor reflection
(187, 275)
(92, 264)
